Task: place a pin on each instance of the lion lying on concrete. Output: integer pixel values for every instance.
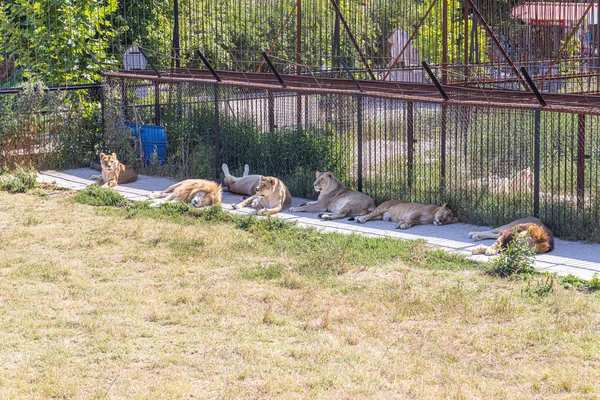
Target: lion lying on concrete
(113, 172)
(336, 198)
(245, 185)
(409, 214)
(540, 237)
(197, 192)
(271, 197)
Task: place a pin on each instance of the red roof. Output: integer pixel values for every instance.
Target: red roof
(551, 13)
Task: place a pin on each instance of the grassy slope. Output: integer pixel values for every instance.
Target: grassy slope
(105, 302)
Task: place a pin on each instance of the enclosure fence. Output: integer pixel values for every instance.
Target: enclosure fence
(491, 164)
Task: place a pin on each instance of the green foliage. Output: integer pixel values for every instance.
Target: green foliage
(19, 180)
(263, 272)
(96, 195)
(573, 282)
(540, 286)
(515, 259)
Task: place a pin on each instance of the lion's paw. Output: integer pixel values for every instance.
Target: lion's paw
(236, 206)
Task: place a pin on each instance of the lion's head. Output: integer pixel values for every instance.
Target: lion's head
(109, 162)
(444, 216)
(205, 199)
(325, 181)
(266, 185)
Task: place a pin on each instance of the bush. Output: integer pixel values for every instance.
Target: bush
(516, 258)
(20, 180)
(96, 195)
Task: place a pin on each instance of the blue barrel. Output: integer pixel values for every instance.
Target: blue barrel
(154, 140)
(135, 129)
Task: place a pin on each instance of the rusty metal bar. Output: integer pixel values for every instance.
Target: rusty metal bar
(359, 139)
(217, 132)
(350, 74)
(435, 81)
(564, 45)
(581, 157)
(287, 20)
(271, 110)
(466, 42)
(156, 103)
(176, 48)
(444, 42)
(497, 43)
(515, 104)
(148, 60)
(534, 89)
(410, 139)
(444, 124)
(353, 39)
(298, 58)
(273, 69)
(208, 66)
(410, 39)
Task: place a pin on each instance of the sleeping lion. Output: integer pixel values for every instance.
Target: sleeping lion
(336, 198)
(245, 185)
(271, 197)
(197, 192)
(409, 214)
(540, 237)
(113, 172)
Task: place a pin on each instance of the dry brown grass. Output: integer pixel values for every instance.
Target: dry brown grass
(96, 305)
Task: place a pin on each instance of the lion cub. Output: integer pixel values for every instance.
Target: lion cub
(540, 237)
(113, 172)
(271, 197)
(197, 192)
(336, 198)
(409, 214)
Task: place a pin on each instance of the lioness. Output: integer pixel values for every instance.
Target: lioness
(336, 198)
(271, 197)
(521, 182)
(198, 192)
(245, 185)
(540, 237)
(113, 172)
(409, 214)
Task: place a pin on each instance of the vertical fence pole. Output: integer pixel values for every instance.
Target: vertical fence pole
(359, 138)
(157, 103)
(410, 141)
(536, 163)
(299, 59)
(271, 110)
(443, 150)
(580, 160)
(217, 133)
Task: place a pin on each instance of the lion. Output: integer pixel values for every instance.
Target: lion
(113, 172)
(197, 192)
(336, 198)
(409, 214)
(271, 197)
(245, 185)
(521, 182)
(540, 237)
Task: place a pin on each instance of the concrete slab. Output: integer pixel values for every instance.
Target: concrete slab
(579, 259)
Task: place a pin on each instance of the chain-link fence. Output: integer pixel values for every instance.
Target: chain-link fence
(492, 165)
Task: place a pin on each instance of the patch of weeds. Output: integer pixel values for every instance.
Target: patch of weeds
(292, 280)
(541, 286)
(263, 272)
(573, 282)
(96, 195)
(515, 259)
(19, 180)
(31, 220)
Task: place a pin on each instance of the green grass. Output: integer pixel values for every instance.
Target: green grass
(134, 302)
(19, 180)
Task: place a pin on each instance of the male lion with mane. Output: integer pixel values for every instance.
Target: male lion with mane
(271, 197)
(336, 198)
(113, 172)
(409, 214)
(197, 192)
(540, 237)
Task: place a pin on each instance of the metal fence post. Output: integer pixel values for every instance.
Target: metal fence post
(536, 163)
(581, 157)
(157, 103)
(271, 110)
(217, 133)
(410, 142)
(359, 122)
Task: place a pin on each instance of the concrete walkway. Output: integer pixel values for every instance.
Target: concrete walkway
(581, 260)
